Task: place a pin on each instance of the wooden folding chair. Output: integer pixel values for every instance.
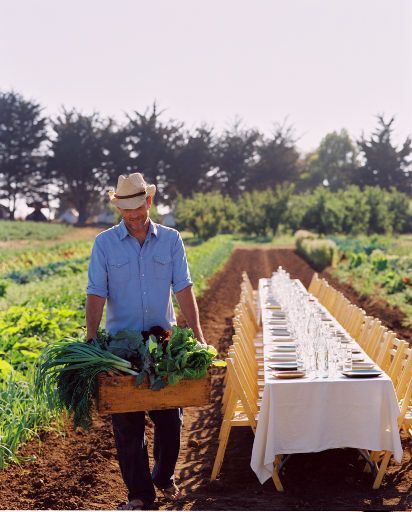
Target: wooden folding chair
(404, 422)
(234, 416)
(376, 332)
(314, 285)
(405, 374)
(390, 359)
(365, 331)
(341, 309)
(404, 391)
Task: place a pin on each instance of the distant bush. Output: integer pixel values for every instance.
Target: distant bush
(319, 252)
(302, 235)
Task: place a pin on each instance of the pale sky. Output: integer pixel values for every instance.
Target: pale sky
(321, 64)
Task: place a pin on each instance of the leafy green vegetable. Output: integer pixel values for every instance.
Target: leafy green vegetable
(67, 370)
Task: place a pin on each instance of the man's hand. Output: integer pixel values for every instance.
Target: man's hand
(94, 312)
(188, 305)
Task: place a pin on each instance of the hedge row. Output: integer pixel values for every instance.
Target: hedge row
(350, 211)
(319, 252)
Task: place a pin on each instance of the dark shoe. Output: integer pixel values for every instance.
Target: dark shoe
(135, 504)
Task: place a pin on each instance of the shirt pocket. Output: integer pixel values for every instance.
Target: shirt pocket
(162, 267)
(119, 271)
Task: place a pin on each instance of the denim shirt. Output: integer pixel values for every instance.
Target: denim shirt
(137, 280)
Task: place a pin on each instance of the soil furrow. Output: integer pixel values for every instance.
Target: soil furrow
(78, 470)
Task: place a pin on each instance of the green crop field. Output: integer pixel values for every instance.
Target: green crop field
(42, 298)
(379, 266)
(15, 230)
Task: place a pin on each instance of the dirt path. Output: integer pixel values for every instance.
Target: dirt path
(78, 470)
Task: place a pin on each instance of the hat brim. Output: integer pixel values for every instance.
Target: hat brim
(132, 202)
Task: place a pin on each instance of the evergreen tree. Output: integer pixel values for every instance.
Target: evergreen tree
(78, 160)
(385, 165)
(22, 140)
(152, 146)
(235, 155)
(277, 160)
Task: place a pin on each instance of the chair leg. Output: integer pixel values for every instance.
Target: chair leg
(275, 474)
(223, 439)
(374, 457)
(382, 469)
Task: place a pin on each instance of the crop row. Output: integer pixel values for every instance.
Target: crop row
(15, 260)
(380, 267)
(36, 313)
(13, 230)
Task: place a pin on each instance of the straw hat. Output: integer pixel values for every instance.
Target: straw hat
(131, 191)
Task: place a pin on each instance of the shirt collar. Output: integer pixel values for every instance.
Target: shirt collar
(123, 229)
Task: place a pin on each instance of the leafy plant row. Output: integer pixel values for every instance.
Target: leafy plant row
(375, 266)
(54, 309)
(13, 260)
(28, 230)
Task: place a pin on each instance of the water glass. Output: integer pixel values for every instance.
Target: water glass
(347, 364)
(300, 357)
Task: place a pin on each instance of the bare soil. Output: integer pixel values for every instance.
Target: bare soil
(79, 470)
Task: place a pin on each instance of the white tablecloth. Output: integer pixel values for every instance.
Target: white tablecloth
(311, 415)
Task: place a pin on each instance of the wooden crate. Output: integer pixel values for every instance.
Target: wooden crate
(117, 394)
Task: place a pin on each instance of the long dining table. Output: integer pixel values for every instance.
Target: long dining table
(312, 414)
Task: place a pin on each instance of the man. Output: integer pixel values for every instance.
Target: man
(133, 267)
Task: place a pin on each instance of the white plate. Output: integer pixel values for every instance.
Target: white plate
(283, 365)
(363, 366)
(362, 373)
(289, 375)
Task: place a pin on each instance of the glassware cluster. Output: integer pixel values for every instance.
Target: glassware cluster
(323, 347)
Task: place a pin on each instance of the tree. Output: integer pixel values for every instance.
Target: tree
(152, 145)
(78, 158)
(206, 215)
(356, 210)
(192, 164)
(385, 165)
(333, 164)
(277, 160)
(324, 214)
(22, 137)
(235, 154)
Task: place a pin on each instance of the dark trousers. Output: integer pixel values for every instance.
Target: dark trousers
(131, 444)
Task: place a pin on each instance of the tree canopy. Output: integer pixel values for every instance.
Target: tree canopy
(22, 135)
(77, 157)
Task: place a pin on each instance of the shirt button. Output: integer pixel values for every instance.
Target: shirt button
(142, 275)
(144, 292)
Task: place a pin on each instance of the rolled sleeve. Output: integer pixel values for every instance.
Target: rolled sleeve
(181, 276)
(97, 273)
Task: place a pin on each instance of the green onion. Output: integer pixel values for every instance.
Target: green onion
(67, 374)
